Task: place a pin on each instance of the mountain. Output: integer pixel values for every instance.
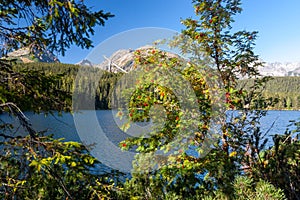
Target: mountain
(85, 62)
(121, 60)
(26, 56)
(281, 69)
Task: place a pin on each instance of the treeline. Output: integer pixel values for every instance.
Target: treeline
(285, 90)
(84, 85)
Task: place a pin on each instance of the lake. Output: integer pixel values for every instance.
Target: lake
(100, 129)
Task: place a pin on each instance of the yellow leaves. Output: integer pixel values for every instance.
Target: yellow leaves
(56, 159)
(72, 144)
(36, 164)
(233, 154)
(73, 164)
(214, 19)
(15, 184)
(202, 7)
(198, 134)
(226, 134)
(134, 198)
(265, 163)
(46, 161)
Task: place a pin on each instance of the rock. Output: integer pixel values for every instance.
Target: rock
(85, 62)
(280, 69)
(26, 56)
(123, 59)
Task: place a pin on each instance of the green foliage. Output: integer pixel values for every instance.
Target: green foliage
(157, 174)
(33, 90)
(154, 89)
(280, 165)
(246, 189)
(36, 167)
(53, 25)
(46, 168)
(33, 166)
(46, 26)
(231, 53)
(182, 174)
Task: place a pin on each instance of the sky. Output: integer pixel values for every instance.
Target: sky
(277, 23)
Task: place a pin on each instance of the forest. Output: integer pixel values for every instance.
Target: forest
(283, 90)
(66, 80)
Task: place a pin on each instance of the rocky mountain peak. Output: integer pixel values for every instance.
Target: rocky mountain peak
(25, 55)
(280, 69)
(85, 62)
(121, 60)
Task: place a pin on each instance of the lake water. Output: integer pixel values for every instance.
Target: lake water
(64, 126)
(100, 129)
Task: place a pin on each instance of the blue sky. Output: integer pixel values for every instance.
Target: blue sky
(277, 21)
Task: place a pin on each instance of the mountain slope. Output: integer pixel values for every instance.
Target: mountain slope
(281, 69)
(24, 55)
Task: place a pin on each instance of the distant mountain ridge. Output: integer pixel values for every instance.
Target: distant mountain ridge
(281, 69)
(124, 59)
